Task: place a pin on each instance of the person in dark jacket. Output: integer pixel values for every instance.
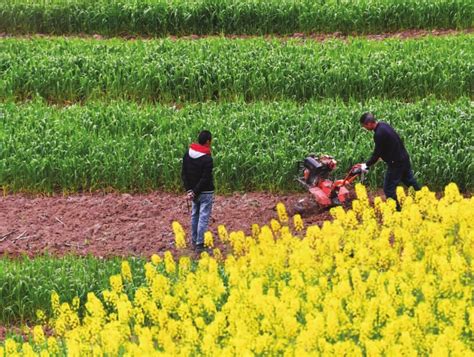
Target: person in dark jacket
(389, 147)
(198, 181)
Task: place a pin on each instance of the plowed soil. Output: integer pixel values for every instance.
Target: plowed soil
(107, 225)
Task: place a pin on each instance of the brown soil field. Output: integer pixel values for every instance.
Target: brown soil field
(115, 224)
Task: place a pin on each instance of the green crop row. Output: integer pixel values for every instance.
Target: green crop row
(244, 70)
(178, 17)
(26, 284)
(138, 148)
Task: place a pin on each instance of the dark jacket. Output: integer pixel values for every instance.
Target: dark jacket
(196, 172)
(388, 146)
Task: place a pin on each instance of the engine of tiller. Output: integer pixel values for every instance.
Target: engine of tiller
(315, 177)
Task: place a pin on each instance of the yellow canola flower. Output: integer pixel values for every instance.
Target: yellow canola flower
(298, 222)
(55, 302)
(40, 316)
(361, 193)
(27, 350)
(126, 271)
(451, 194)
(255, 231)
(222, 233)
(401, 196)
(282, 214)
(116, 283)
(217, 254)
(11, 347)
(180, 241)
(180, 235)
(43, 353)
(397, 282)
(53, 346)
(75, 303)
(170, 264)
(156, 259)
(38, 335)
(276, 226)
(378, 205)
(94, 307)
(184, 265)
(177, 228)
(208, 240)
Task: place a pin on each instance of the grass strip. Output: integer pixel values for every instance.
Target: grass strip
(217, 69)
(131, 147)
(178, 17)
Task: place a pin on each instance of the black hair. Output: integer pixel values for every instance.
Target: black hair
(367, 118)
(204, 136)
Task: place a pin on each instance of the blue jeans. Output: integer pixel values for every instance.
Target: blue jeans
(396, 173)
(202, 208)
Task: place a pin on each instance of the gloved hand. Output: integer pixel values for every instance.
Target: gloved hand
(190, 195)
(364, 168)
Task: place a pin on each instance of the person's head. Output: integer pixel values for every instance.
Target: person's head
(205, 138)
(368, 121)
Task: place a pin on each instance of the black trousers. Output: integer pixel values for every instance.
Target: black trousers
(396, 173)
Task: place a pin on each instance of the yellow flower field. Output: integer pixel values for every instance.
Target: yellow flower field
(373, 281)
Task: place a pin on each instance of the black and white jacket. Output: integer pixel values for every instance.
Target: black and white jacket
(196, 172)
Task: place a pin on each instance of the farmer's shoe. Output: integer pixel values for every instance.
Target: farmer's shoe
(200, 248)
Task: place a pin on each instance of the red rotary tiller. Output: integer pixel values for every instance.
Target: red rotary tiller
(315, 172)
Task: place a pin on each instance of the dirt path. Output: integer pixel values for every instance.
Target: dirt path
(319, 37)
(406, 34)
(122, 224)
